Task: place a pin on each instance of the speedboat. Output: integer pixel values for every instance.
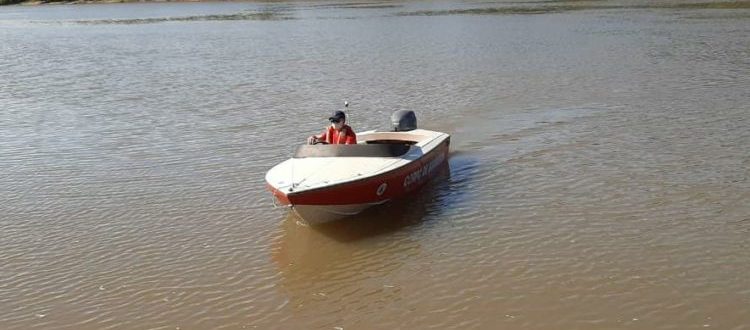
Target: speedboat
(323, 183)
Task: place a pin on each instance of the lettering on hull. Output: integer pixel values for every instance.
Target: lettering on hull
(424, 172)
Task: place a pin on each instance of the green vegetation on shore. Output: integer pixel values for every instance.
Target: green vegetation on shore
(42, 2)
(14, 2)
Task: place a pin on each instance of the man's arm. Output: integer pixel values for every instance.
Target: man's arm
(317, 138)
(351, 138)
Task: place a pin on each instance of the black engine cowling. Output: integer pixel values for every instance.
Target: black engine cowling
(404, 120)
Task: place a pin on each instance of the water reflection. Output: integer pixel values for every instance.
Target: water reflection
(366, 255)
(378, 231)
(344, 260)
(319, 275)
(341, 262)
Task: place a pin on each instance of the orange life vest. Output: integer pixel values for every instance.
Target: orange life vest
(345, 136)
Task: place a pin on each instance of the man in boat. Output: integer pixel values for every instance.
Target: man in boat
(338, 133)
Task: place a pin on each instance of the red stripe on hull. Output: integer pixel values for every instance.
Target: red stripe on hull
(387, 186)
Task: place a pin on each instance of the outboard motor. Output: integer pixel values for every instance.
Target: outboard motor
(404, 120)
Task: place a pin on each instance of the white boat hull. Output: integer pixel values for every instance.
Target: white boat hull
(320, 214)
(322, 188)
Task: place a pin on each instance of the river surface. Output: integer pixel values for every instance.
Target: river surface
(599, 172)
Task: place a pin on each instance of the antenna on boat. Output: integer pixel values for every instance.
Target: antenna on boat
(346, 110)
(291, 169)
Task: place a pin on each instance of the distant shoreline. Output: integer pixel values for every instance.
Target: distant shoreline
(553, 5)
(91, 2)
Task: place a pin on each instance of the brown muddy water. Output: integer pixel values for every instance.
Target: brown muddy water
(599, 176)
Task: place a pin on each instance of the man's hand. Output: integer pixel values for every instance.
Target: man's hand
(312, 139)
